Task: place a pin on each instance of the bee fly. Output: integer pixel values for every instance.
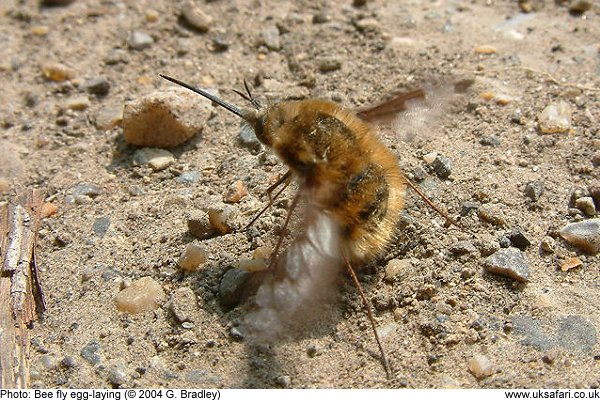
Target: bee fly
(354, 192)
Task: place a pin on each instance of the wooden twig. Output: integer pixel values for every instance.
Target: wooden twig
(21, 294)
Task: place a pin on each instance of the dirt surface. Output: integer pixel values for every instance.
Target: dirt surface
(438, 315)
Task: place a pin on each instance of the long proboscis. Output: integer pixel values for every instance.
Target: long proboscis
(237, 111)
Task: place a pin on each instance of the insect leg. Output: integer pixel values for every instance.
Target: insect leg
(429, 202)
(285, 180)
(285, 224)
(367, 305)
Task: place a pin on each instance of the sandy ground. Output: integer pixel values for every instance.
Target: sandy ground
(440, 314)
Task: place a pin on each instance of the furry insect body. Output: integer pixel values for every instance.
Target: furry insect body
(346, 170)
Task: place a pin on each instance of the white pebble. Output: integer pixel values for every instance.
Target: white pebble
(481, 366)
(555, 118)
(145, 294)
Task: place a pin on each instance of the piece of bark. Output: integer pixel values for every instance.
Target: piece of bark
(21, 294)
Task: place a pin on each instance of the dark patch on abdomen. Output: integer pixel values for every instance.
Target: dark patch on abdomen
(364, 199)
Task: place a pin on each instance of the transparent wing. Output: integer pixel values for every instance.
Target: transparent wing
(301, 283)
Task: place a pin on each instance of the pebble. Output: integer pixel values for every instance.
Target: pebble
(164, 118)
(117, 375)
(86, 189)
(138, 40)
(491, 213)
(192, 257)
(108, 118)
(258, 262)
(48, 209)
(39, 30)
(510, 262)
(534, 190)
(397, 269)
(78, 103)
(57, 72)
(157, 159)
(570, 263)
(329, 64)
(97, 86)
(196, 18)
(584, 234)
(199, 225)
(145, 294)
(481, 366)
(442, 166)
(367, 25)
(270, 37)
(580, 6)
(594, 191)
(236, 333)
(219, 43)
(463, 247)
(487, 244)
(548, 244)
(183, 304)
(90, 352)
(189, 177)
(247, 138)
(235, 192)
(231, 288)
(555, 118)
(586, 204)
(519, 240)
(47, 362)
(485, 49)
(222, 218)
(321, 17)
(283, 381)
(68, 362)
(116, 56)
(467, 207)
(100, 226)
(493, 141)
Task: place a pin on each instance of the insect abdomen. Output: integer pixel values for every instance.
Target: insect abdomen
(347, 170)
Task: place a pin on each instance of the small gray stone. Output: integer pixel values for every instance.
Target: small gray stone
(463, 247)
(270, 37)
(157, 159)
(138, 40)
(189, 177)
(100, 226)
(248, 139)
(117, 376)
(183, 304)
(283, 381)
(534, 190)
(90, 352)
(442, 166)
(231, 288)
(467, 207)
(86, 189)
(510, 262)
(98, 86)
(585, 235)
(68, 362)
(492, 141)
(236, 334)
(47, 362)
